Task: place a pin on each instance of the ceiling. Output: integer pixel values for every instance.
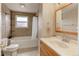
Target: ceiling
(29, 7)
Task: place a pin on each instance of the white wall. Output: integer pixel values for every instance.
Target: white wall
(78, 29)
(3, 27)
(46, 20)
(0, 28)
(39, 21)
(0, 23)
(5, 23)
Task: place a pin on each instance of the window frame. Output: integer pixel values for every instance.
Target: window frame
(26, 22)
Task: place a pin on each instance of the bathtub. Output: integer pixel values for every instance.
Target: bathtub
(24, 42)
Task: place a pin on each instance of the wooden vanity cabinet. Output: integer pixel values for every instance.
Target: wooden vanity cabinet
(46, 51)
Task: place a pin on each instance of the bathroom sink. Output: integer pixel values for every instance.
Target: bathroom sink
(59, 44)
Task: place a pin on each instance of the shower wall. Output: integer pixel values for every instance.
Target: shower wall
(5, 21)
(21, 31)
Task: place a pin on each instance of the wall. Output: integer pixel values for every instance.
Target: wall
(22, 31)
(39, 29)
(46, 20)
(0, 28)
(78, 29)
(4, 28)
(0, 22)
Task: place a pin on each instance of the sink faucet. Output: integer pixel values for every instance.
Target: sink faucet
(66, 38)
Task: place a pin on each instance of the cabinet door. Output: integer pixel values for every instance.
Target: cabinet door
(43, 51)
(46, 51)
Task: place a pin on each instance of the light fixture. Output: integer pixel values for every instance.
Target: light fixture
(22, 5)
(59, 3)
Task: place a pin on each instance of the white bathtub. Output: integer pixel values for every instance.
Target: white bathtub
(25, 42)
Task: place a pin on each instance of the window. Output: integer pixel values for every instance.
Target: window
(21, 21)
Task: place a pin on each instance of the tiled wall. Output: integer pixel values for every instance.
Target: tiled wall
(21, 31)
(4, 11)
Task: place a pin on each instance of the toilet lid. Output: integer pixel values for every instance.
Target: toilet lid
(11, 47)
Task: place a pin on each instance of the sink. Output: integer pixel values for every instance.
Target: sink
(60, 44)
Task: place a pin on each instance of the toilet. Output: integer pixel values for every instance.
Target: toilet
(11, 50)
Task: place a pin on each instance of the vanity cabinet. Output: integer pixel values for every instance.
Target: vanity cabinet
(47, 51)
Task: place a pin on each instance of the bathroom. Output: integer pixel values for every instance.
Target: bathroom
(52, 29)
(18, 34)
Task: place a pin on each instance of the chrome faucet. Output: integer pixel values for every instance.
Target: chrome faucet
(66, 38)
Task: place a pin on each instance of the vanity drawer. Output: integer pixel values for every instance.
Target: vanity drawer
(46, 51)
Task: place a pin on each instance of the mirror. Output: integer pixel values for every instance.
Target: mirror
(67, 18)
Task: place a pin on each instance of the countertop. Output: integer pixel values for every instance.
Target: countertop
(61, 47)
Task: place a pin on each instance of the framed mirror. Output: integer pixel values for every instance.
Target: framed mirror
(67, 18)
